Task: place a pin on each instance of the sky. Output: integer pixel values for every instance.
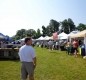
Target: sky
(32, 14)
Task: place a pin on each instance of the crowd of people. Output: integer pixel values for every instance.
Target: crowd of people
(71, 47)
(75, 46)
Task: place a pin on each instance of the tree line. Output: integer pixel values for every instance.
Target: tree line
(66, 26)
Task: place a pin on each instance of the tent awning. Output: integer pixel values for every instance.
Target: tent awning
(62, 36)
(80, 34)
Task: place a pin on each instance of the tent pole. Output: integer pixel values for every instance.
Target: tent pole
(85, 43)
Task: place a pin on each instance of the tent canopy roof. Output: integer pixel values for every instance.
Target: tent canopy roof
(79, 34)
(62, 36)
(73, 32)
(2, 36)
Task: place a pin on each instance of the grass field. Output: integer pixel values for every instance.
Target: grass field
(51, 65)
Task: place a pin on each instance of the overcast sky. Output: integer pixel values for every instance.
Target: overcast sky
(32, 14)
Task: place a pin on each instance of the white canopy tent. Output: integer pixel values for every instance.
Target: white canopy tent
(41, 38)
(2, 36)
(51, 38)
(63, 36)
(45, 38)
(48, 38)
(79, 34)
(22, 39)
(73, 33)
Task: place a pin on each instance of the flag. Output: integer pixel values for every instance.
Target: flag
(55, 36)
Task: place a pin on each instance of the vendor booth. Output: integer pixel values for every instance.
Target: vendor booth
(11, 53)
(81, 34)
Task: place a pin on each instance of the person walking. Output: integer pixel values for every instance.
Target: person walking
(28, 60)
(50, 43)
(68, 45)
(75, 47)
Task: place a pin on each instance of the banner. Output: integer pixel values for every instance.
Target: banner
(55, 36)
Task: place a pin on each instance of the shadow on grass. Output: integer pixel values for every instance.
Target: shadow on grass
(7, 59)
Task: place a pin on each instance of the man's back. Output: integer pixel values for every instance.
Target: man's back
(26, 53)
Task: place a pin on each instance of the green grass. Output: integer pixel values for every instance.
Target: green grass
(51, 65)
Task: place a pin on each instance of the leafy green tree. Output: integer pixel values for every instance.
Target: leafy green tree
(44, 31)
(54, 25)
(20, 34)
(68, 25)
(31, 33)
(13, 38)
(71, 25)
(65, 27)
(38, 33)
(81, 27)
(49, 30)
